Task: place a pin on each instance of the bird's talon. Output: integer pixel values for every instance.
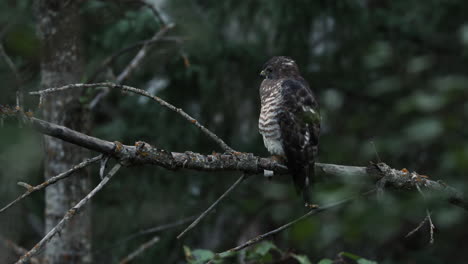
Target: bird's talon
(278, 158)
(312, 206)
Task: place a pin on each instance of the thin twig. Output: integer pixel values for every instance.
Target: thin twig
(69, 215)
(162, 227)
(139, 250)
(313, 211)
(155, 11)
(133, 63)
(431, 227)
(106, 62)
(259, 238)
(52, 180)
(103, 166)
(417, 228)
(192, 120)
(427, 218)
(147, 231)
(141, 54)
(194, 223)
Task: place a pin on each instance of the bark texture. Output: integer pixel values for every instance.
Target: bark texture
(59, 29)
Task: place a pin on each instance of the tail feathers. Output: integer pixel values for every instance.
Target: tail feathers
(302, 182)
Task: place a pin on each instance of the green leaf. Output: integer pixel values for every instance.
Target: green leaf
(358, 259)
(263, 248)
(350, 255)
(197, 256)
(202, 256)
(302, 259)
(188, 253)
(325, 261)
(365, 261)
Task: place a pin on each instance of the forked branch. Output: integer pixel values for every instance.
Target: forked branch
(69, 215)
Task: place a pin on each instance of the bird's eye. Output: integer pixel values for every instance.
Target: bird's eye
(269, 69)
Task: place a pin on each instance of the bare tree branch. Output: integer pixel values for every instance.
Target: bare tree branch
(417, 228)
(106, 62)
(133, 63)
(151, 230)
(155, 11)
(69, 215)
(427, 218)
(181, 112)
(52, 180)
(147, 231)
(194, 223)
(314, 211)
(431, 227)
(141, 54)
(143, 153)
(140, 250)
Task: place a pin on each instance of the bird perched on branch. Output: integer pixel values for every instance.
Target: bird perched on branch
(289, 120)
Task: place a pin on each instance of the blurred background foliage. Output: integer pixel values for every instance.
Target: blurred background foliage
(391, 79)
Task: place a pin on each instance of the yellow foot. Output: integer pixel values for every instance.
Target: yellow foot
(311, 206)
(278, 158)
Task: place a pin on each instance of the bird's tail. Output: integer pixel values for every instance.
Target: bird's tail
(302, 182)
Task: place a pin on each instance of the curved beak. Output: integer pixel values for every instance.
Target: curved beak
(263, 74)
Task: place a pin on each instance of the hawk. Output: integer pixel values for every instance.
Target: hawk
(289, 120)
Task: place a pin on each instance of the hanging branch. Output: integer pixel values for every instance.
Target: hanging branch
(426, 219)
(69, 215)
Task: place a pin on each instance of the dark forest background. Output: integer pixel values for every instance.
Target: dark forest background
(391, 78)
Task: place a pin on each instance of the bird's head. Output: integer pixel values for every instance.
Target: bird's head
(279, 67)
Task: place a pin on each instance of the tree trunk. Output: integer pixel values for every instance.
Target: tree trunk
(62, 63)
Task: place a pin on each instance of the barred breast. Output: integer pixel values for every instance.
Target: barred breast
(268, 124)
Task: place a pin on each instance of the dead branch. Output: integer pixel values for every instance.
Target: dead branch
(143, 153)
(416, 229)
(141, 54)
(106, 62)
(155, 11)
(426, 219)
(181, 112)
(140, 250)
(147, 231)
(69, 215)
(194, 223)
(152, 230)
(313, 211)
(132, 65)
(52, 180)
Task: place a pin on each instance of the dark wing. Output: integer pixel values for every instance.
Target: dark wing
(299, 123)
